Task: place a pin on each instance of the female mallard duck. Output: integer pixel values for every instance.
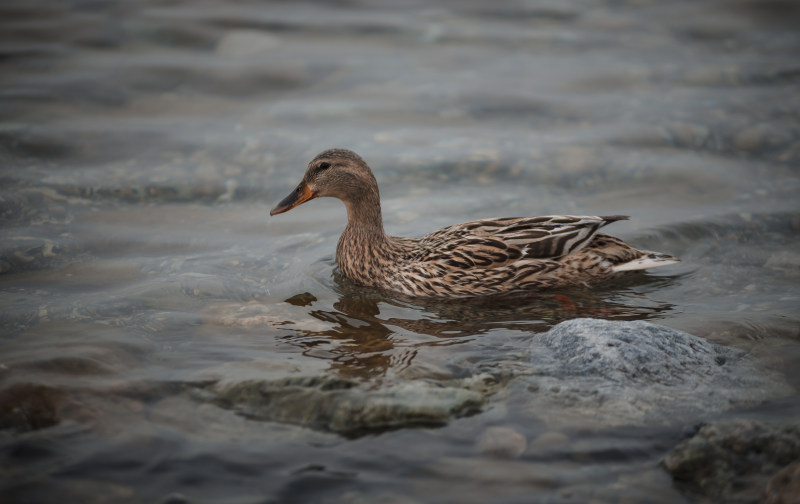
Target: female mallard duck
(489, 256)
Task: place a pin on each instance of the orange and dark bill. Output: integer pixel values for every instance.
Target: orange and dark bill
(298, 196)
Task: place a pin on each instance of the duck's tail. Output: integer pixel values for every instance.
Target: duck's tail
(646, 261)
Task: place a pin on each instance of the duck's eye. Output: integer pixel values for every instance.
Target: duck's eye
(323, 166)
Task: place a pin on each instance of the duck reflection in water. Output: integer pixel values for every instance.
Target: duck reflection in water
(378, 332)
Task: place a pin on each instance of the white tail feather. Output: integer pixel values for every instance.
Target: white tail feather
(646, 262)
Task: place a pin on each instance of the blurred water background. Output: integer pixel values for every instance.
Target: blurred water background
(143, 143)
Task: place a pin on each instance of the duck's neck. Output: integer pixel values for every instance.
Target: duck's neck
(364, 216)
(364, 248)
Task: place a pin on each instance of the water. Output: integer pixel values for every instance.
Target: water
(143, 144)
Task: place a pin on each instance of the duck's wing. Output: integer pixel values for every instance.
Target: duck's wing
(491, 243)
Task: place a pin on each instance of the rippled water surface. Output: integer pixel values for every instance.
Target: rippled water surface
(144, 286)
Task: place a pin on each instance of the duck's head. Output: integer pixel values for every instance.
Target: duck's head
(339, 173)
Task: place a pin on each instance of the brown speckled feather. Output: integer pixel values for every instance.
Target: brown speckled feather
(488, 256)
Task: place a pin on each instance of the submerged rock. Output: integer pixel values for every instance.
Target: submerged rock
(621, 373)
(28, 406)
(27, 253)
(501, 442)
(784, 487)
(341, 405)
(784, 261)
(733, 460)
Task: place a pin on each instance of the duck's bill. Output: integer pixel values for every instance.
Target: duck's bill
(297, 197)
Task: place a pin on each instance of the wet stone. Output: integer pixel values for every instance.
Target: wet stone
(625, 373)
(304, 299)
(784, 487)
(27, 253)
(501, 442)
(689, 135)
(340, 405)
(69, 365)
(784, 261)
(36, 206)
(28, 407)
(761, 136)
(733, 460)
(256, 315)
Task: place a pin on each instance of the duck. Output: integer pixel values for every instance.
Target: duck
(477, 258)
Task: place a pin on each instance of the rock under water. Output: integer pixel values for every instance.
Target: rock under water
(732, 461)
(621, 373)
(339, 405)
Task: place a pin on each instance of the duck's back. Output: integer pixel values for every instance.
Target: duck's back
(492, 256)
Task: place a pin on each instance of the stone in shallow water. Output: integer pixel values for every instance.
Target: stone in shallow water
(26, 253)
(732, 460)
(619, 373)
(340, 405)
(28, 406)
(503, 442)
(785, 262)
(784, 487)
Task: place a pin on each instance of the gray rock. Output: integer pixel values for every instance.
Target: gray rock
(620, 373)
(732, 460)
(339, 405)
